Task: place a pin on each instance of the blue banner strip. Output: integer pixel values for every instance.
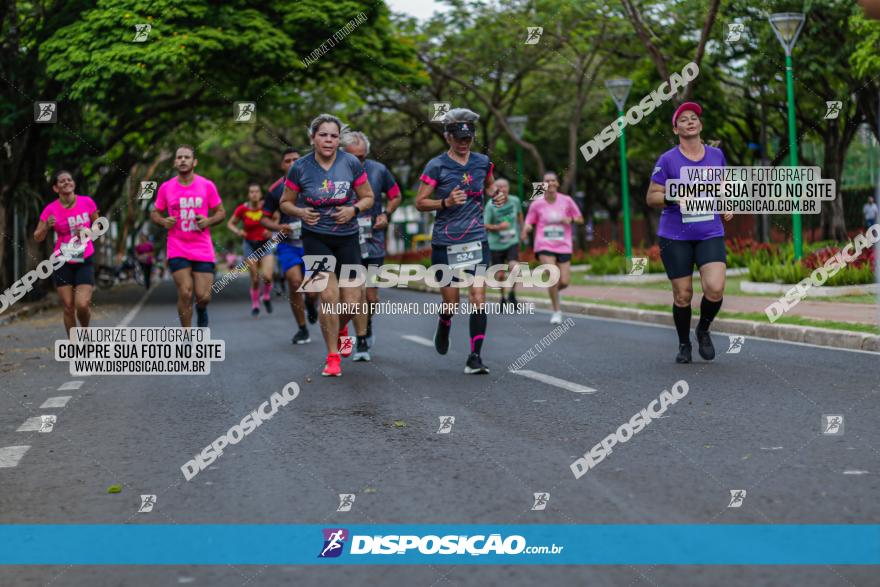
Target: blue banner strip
(160, 544)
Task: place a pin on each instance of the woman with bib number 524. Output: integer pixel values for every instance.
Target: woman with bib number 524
(453, 185)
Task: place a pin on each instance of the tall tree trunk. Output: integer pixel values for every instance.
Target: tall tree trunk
(832, 220)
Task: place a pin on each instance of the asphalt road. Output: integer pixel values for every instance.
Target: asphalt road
(750, 421)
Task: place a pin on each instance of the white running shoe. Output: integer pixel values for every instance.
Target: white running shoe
(556, 318)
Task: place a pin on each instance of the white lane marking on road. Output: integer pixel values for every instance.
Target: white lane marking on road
(71, 386)
(418, 340)
(134, 311)
(855, 472)
(58, 401)
(550, 380)
(35, 423)
(10, 455)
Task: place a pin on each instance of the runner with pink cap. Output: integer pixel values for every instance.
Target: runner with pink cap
(688, 240)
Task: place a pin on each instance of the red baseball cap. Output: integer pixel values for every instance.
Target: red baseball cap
(692, 106)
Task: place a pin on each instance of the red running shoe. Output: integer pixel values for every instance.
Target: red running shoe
(332, 368)
(345, 343)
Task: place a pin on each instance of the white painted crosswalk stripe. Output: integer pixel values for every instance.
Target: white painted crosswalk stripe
(555, 381)
(418, 340)
(70, 385)
(56, 402)
(10, 455)
(31, 424)
(38, 424)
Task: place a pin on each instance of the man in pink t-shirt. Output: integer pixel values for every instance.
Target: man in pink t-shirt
(191, 206)
(551, 217)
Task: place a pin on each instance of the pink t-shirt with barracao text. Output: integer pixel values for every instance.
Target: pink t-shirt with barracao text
(186, 202)
(69, 222)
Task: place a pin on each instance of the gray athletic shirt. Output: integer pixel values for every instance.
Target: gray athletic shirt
(324, 190)
(458, 224)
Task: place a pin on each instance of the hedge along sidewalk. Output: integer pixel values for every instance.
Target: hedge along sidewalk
(827, 337)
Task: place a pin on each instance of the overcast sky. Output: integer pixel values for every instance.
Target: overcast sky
(421, 9)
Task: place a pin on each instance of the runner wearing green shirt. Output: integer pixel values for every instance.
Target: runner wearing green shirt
(503, 225)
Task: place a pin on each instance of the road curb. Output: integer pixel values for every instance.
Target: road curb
(827, 337)
(27, 310)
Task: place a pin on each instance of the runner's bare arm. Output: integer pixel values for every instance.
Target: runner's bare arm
(424, 201)
(231, 225)
(166, 222)
(217, 215)
(272, 222)
(656, 197)
(492, 190)
(393, 204)
(365, 197)
(41, 231)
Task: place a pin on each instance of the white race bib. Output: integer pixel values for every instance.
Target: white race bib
(296, 228)
(688, 218)
(74, 251)
(554, 232)
(365, 226)
(508, 234)
(464, 254)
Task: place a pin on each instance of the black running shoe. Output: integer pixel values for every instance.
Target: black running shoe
(362, 350)
(301, 337)
(441, 337)
(684, 353)
(255, 311)
(475, 366)
(370, 339)
(311, 310)
(704, 344)
(201, 317)
(268, 303)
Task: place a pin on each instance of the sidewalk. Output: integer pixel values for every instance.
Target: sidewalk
(838, 312)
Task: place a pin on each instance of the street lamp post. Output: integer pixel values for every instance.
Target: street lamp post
(518, 125)
(787, 26)
(619, 90)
